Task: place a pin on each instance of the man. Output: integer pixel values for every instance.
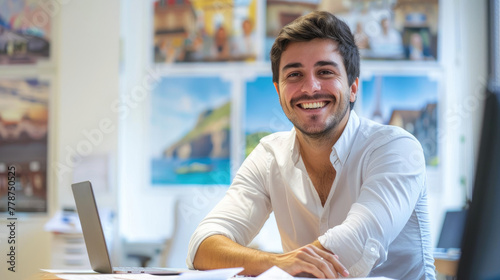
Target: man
(348, 194)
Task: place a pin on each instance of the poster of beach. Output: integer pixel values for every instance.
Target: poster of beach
(263, 113)
(190, 131)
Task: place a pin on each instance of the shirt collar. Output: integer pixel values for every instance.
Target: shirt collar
(294, 147)
(342, 147)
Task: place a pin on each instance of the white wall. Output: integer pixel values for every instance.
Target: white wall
(88, 75)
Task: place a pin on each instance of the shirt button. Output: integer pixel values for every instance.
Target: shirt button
(372, 249)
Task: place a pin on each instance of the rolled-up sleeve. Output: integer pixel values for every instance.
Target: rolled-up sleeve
(393, 181)
(244, 209)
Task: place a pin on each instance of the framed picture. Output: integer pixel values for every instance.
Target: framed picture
(407, 101)
(25, 32)
(204, 31)
(391, 30)
(383, 30)
(190, 131)
(24, 113)
(263, 113)
(280, 13)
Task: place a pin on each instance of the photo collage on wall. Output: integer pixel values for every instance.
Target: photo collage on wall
(209, 32)
(25, 42)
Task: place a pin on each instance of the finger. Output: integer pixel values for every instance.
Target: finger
(314, 270)
(323, 265)
(334, 260)
(314, 264)
(326, 267)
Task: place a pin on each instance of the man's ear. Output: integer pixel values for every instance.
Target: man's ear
(354, 90)
(276, 87)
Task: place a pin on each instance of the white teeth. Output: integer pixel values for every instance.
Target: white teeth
(313, 105)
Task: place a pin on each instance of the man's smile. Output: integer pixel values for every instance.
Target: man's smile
(313, 105)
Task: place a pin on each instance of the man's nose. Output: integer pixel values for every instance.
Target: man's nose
(311, 84)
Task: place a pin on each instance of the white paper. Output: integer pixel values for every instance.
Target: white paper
(215, 274)
(69, 271)
(274, 273)
(114, 277)
(145, 277)
(87, 277)
(365, 278)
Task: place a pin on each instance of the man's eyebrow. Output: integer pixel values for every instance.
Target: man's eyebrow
(292, 65)
(326, 62)
(317, 64)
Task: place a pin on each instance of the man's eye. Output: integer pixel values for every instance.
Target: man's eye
(326, 72)
(293, 75)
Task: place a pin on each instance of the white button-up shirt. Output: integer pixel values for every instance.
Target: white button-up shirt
(375, 217)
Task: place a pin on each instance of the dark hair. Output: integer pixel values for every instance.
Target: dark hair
(323, 25)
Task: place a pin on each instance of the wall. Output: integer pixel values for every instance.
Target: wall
(88, 85)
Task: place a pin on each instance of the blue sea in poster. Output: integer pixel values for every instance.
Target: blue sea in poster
(163, 172)
(176, 106)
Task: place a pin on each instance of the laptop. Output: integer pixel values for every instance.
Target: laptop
(94, 236)
(453, 227)
(450, 239)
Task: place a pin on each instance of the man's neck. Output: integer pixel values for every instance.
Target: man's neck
(320, 148)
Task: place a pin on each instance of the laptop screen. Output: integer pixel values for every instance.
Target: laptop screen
(91, 227)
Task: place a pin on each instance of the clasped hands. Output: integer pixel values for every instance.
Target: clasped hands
(311, 261)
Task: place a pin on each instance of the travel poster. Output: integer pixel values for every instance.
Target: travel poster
(383, 30)
(24, 112)
(409, 102)
(263, 113)
(204, 30)
(190, 131)
(25, 31)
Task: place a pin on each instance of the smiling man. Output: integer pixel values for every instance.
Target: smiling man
(348, 194)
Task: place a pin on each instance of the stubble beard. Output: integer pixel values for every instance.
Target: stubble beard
(331, 123)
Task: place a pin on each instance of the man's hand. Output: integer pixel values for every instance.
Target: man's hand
(311, 260)
(218, 251)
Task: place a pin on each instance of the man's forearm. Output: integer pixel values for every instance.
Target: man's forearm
(218, 251)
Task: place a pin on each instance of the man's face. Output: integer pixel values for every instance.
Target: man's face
(313, 88)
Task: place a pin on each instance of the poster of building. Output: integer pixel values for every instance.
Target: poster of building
(24, 128)
(263, 113)
(204, 30)
(407, 101)
(190, 131)
(25, 31)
